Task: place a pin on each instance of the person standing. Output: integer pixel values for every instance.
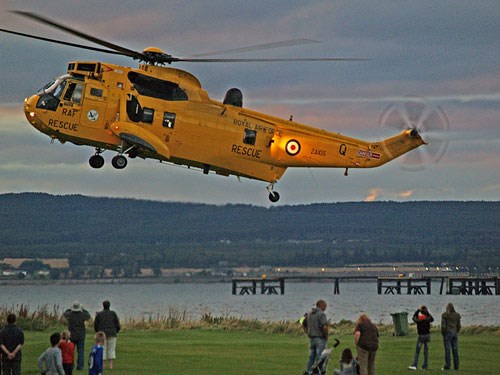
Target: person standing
(76, 317)
(96, 364)
(450, 327)
(11, 343)
(423, 319)
(366, 340)
(68, 353)
(107, 321)
(315, 324)
(50, 362)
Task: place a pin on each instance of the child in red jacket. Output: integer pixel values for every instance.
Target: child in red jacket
(68, 352)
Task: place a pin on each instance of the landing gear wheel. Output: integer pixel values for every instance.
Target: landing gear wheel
(119, 162)
(96, 161)
(274, 196)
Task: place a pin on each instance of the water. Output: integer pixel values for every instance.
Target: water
(138, 300)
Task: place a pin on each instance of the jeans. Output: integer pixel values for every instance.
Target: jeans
(316, 347)
(80, 349)
(422, 340)
(68, 368)
(366, 361)
(451, 342)
(11, 367)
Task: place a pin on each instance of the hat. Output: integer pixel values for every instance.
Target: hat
(77, 306)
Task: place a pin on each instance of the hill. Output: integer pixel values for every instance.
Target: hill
(105, 231)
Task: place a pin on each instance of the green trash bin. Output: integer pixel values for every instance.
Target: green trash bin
(400, 321)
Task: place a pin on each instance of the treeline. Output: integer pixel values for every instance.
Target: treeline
(124, 232)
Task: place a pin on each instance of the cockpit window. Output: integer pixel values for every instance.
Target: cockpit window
(51, 93)
(54, 87)
(58, 90)
(156, 88)
(48, 86)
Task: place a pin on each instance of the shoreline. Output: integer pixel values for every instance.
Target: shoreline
(154, 299)
(116, 281)
(180, 277)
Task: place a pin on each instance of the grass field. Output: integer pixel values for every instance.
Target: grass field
(211, 352)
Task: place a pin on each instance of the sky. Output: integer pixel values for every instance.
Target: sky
(446, 53)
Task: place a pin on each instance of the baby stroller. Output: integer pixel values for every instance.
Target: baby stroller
(320, 366)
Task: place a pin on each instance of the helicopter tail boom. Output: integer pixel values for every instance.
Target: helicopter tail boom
(342, 152)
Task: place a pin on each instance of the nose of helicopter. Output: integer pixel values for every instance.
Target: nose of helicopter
(30, 108)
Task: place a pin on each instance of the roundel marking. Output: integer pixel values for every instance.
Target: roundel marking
(292, 147)
(92, 115)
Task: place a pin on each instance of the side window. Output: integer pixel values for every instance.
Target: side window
(74, 92)
(179, 94)
(148, 115)
(96, 92)
(77, 94)
(134, 109)
(168, 120)
(250, 137)
(156, 88)
(70, 91)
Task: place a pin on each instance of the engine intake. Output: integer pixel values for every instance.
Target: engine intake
(234, 97)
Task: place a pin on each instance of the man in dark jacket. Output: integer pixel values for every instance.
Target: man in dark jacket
(11, 342)
(450, 327)
(107, 321)
(76, 317)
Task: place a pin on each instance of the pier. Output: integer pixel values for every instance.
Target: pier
(465, 285)
(266, 286)
(408, 285)
(243, 286)
(484, 286)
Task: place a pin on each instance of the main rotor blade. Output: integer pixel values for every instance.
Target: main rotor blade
(164, 58)
(90, 38)
(187, 59)
(62, 42)
(259, 47)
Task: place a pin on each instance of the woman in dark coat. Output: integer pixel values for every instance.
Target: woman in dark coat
(423, 319)
(366, 340)
(450, 327)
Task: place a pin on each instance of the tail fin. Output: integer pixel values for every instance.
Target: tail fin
(393, 147)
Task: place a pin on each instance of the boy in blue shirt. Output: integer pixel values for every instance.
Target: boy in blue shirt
(96, 364)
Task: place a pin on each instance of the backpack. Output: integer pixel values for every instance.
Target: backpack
(303, 321)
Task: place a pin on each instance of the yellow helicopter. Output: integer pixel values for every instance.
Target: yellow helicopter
(163, 113)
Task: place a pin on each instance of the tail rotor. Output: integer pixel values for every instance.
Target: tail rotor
(429, 120)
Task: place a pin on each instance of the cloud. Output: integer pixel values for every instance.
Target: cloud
(405, 194)
(373, 194)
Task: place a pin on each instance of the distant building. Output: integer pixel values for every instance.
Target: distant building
(14, 273)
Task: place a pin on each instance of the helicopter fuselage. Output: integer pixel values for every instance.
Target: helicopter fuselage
(163, 113)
